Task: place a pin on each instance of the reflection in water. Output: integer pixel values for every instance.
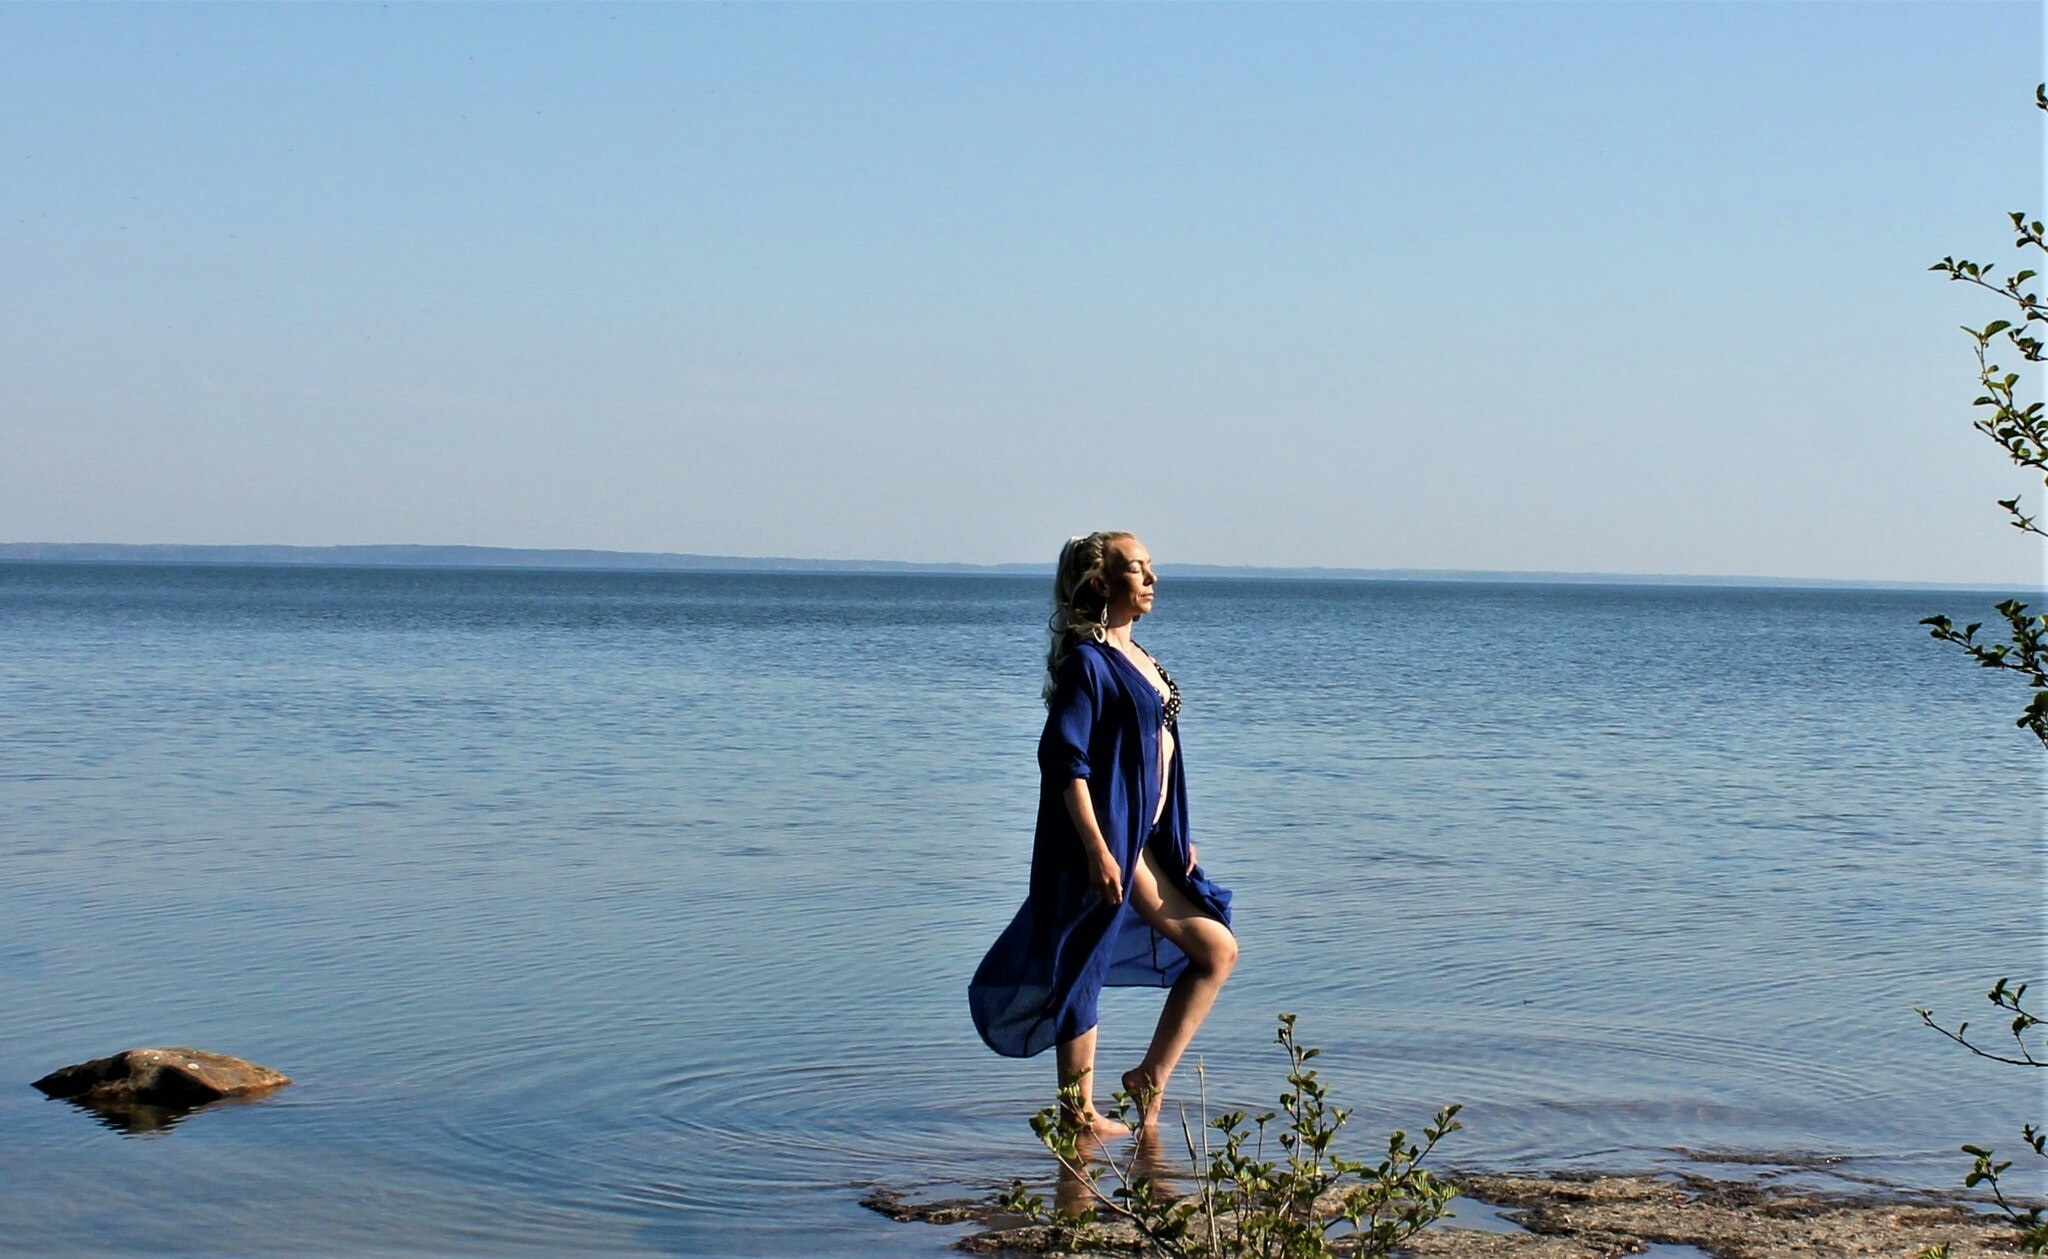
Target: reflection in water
(134, 1119)
(141, 1119)
(1156, 1157)
(1115, 1164)
(1070, 1192)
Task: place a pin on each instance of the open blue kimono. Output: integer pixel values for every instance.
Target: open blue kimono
(1039, 983)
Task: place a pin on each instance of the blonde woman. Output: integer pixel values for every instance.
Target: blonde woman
(1116, 896)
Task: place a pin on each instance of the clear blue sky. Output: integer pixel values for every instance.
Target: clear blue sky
(1616, 287)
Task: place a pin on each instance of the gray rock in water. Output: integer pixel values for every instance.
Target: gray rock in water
(170, 1078)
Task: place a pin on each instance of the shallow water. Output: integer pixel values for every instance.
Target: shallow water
(634, 912)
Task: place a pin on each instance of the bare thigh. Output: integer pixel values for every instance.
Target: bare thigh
(1161, 903)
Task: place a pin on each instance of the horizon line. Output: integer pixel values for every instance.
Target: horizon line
(466, 556)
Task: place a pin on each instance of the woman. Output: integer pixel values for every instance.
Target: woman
(1116, 896)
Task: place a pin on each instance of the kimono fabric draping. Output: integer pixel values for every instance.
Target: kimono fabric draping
(1040, 982)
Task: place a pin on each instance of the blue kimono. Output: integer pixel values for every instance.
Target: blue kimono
(1039, 983)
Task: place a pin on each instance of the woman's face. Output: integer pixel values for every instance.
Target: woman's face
(1128, 574)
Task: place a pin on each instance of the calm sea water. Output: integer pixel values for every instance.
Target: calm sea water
(633, 913)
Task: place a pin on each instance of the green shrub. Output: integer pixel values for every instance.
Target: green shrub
(1305, 1202)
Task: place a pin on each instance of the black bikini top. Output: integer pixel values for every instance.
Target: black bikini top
(1172, 687)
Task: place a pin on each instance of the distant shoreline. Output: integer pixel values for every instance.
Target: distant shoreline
(489, 557)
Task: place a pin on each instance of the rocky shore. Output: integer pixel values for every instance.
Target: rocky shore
(1585, 1215)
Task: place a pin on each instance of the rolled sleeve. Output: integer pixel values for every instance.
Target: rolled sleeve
(1070, 720)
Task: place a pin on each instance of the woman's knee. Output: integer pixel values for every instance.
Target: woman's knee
(1218, 952)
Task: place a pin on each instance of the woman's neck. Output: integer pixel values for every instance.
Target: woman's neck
(1118, 634)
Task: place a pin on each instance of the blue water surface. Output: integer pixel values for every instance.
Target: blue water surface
(632, 913)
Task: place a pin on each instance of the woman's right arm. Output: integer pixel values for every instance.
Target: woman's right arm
(1063, 759)
(1104, 874)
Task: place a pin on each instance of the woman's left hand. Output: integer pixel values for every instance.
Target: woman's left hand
(1191, 858)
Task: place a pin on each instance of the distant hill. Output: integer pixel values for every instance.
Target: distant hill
(407, 556)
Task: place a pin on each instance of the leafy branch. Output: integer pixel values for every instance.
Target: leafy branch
(2024, 653)
(2022, 432)
(2032, 1221)
(2006, 997)
(1245, 1205)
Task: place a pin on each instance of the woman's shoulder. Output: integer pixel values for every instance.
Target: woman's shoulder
(1088, 660)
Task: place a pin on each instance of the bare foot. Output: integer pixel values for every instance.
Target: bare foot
(1144, 1094)
(1098, 1126)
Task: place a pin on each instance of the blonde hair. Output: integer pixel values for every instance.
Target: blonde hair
(1080, 607)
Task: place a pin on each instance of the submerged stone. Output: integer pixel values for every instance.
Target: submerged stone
(171, 1080)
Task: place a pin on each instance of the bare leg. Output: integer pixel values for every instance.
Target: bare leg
(1077, 1067)
(1212, 952)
